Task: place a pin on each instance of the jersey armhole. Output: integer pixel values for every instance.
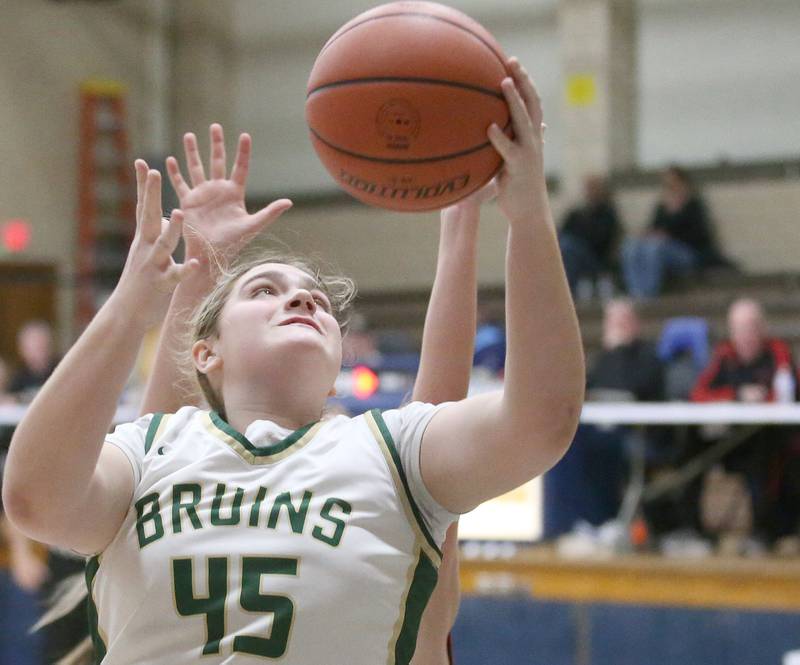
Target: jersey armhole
(386, 443)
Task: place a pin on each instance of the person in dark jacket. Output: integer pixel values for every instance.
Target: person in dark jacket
(679, 241)
(589, 234)
(589, 482)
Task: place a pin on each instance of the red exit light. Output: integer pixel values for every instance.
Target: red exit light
(16, 234)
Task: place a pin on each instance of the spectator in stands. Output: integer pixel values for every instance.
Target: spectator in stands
(627, 363)
(679, 241)
(37, 352)
(752, 366)
(588, 483)
(588, 239)
(744, 367)
(360, 344)
(36, 349)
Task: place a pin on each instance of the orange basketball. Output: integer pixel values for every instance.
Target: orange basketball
(399, 101)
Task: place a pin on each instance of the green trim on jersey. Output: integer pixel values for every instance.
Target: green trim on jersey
(260, 454)
(92, 566)
(419, 593)
(151, 431)
(387, 437)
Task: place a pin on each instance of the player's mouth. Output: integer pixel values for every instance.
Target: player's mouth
(302, 320)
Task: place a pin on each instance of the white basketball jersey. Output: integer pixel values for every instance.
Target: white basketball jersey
(313, 547)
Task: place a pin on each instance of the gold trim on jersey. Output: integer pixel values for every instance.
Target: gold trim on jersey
(251, 453)
(401, 615)
(423, 541)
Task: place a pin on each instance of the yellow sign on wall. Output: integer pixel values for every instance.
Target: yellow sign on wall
(581, 89)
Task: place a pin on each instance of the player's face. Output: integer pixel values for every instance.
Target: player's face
(277, 308)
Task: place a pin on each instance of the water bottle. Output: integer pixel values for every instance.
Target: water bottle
(783, 387)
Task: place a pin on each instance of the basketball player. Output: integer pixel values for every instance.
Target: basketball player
(255, 531)
(447, 339)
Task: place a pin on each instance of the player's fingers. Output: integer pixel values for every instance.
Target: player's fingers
(503, 144)
(270, 213)
(176, 177)
(527, 90)
(217, 163)
(168, 240)
(193, 162)
(141, 169)
(520, 119)
(241, 164)
(150, 226)
(181, 271)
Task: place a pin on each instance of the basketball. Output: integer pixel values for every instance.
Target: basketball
(399, 101)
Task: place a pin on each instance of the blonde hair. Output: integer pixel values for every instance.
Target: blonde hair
(340, 290)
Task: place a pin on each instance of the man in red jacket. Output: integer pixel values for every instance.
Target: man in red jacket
(744, 367)
(751, 366)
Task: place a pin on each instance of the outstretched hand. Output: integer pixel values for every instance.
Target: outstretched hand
(469, 207)
(216, 219)
(521, 183)
(150, 274)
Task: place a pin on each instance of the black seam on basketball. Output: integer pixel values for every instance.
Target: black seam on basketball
(432, 16)
(407, 79)
(414, 160)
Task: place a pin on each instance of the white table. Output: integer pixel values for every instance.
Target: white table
(11, 414)
(684, 413)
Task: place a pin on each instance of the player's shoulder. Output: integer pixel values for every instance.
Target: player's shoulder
(409, 412)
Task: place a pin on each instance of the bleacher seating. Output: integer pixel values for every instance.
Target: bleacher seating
(708, 297)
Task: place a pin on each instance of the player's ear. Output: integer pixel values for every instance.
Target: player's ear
(205, 357)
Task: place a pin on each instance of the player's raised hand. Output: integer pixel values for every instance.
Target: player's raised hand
(521, 183)
(469, 207)
(215, 217)
(151, 274)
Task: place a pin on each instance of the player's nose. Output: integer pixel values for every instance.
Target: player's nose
(302, 300)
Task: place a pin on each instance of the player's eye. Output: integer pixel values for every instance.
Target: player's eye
(263, 290)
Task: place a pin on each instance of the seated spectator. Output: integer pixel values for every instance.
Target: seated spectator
(679, 241)
(744, 367)
(36, 349)
(588, 483)
(359, 344)
(752, 366)
(37, 352)
(627, 362)
(588, 239)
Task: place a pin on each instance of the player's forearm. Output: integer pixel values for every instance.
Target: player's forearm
(448, 337)
(168, 388)
(544, 375)
(55, 448)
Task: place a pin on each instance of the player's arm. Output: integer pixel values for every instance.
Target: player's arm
(62, 485)
(444, 372)
(449, 333)
(216, 225)
(486, 445)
